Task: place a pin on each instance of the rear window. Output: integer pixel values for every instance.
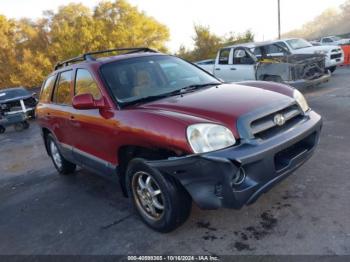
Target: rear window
(62, 93)
(224, 56)
(46, 91)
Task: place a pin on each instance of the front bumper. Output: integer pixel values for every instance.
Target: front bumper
(300, 84)
(334, 62)
(208, 177)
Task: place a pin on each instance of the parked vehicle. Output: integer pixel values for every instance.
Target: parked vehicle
(173, 133)
(18, 120)
(269, 62)
(334, 55)
(334, 40)
(18, 100)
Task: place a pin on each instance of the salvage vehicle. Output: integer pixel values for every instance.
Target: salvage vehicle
(254, 61)
(334, 54)
(18, 121)
(18, 100)
(334, 40)
(171, 133)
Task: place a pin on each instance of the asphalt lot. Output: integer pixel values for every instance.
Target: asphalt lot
(308, 213)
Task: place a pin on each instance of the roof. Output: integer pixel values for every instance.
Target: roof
(257, 44)
(88, 58)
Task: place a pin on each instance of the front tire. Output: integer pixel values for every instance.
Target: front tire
(62, 165)
(332, 69)
(162, 203)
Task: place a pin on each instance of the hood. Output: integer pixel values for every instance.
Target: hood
(313, 49)
(2, 101)
(223, 104)
(343, 41)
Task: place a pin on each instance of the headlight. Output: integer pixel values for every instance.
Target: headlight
(301, 100)
(209, 137)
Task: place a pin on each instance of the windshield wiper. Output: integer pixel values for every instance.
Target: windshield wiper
(183, 90)
(191, 88)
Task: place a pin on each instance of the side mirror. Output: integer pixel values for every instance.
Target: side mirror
(86, 101)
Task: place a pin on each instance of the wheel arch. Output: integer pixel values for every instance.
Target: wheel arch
(128, 152)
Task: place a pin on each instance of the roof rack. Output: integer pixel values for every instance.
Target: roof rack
(88, 56)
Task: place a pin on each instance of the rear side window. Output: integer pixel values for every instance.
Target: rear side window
(224, 56)
(46, 91)
(62, 93)
(85, 84)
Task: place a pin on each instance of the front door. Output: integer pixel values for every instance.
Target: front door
(243, 65)
(92, 146)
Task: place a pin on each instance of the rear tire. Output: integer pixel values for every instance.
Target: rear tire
(63, 166)
(161, 202)
(2, 129)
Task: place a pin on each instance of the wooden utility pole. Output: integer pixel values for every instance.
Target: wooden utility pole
(279, 19)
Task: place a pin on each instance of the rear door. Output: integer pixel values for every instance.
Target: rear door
(223, 65)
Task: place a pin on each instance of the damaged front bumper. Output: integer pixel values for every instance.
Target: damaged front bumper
(211, 178)
(303, 83)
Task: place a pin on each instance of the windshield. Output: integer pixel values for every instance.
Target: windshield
(137, 78)
(13, 93)
(298, 43)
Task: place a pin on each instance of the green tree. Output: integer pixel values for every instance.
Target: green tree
(207, 43)
(29, 49)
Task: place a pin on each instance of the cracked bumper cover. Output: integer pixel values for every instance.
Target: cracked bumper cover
(207, 177)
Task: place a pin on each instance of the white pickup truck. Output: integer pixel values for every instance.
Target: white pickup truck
(334, 40)
(334, 54)
(269, 62)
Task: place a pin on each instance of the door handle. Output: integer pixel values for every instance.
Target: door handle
(217, 69)
(233, 68)
(72, 117)
(48, 114)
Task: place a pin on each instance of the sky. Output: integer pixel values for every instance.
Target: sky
(222, 16)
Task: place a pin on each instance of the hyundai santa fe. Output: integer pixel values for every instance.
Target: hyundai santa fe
(171, 133)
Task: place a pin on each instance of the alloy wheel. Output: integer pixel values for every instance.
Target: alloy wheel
(148, 196)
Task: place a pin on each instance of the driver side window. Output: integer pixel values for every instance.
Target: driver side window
(85, 84)
(241, 57)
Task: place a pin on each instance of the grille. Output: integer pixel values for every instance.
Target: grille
(265, 127)
(335, 56)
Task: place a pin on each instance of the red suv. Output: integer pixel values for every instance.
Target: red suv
(172, 133)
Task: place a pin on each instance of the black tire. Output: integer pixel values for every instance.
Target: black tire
(2, 129)
(64, 167)
(332, 69)
(19, 126)
(173, 197)
(277, 79)
(26, 125)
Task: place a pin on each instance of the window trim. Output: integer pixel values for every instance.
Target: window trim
(56, 86)
(49, 99)
(93, 77)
